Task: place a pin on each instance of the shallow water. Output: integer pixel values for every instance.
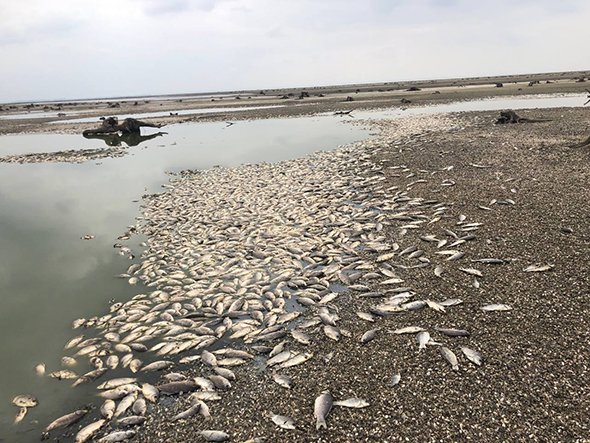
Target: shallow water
(486, 104)
(49, 276)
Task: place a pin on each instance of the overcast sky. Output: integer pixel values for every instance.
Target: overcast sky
(77, 49)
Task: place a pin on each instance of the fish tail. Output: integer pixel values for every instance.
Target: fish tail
(321, 423)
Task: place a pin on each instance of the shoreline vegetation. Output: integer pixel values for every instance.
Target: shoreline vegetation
(371, 264)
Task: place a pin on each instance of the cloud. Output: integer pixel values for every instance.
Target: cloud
(69, 48)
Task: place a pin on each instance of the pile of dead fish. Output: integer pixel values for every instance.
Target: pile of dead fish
(69, 156)
(239, 262)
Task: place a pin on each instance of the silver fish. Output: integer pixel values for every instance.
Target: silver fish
(450, 357)
(117, 436)
(368, 336)
(283, 380)
(322, 407)
(186, 413)
(283, 421)
(423, 337)
(496, 307)
(107, 410)
(538, 268)
(87, 432)
(212, 435)
(66, 420)
(356, 403)
(472, 355)
(25, 401)
(20, 415)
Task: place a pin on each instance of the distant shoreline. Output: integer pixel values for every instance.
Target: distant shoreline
(465, 81)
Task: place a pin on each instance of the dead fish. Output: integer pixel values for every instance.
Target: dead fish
(451, 332)
(220, 382)
(368, 336)
(490, 261)
(66, 420)
(366, 316)
(224, 372)
(322, 407)
(435, 306)
(176, 387)
(116, 382)
(25, 401)
(422, 338)
(450, 357)
(297, 360)
(408, 330)
(301, 337)
(157, 366)
(471, 271)
(64, 374)
(356, 403)
(496, 307)
(450, 302)
(150, 392)
(204, 396)
(107, 410)
(74, 341)
(40, 369)
(472, 355)
(283, 421)
(132, 420)
(68, 361)
(87, 432)
(125, 404)
(20, 415)
(208, 358)
(332, 332)
(283, 380)
(135, 365)
(186, 413)
(211, 435)
(538, 268)
(117, 436)
(234, 361)
(455, 256)
(139, 407)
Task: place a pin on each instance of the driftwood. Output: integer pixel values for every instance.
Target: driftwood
(588, 91)
(510, 116)
(128, 126)
(343, 112)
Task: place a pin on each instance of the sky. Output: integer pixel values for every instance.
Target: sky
(66, 49)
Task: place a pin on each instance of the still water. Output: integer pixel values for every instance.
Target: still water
(49, 276)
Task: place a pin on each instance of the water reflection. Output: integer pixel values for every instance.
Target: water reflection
(116, 139)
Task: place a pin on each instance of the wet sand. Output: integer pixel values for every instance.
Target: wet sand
(533, 384)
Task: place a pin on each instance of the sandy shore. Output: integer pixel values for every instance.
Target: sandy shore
(533, 384)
